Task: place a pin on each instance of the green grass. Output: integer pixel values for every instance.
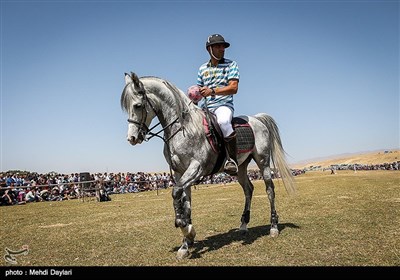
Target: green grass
(347, 219)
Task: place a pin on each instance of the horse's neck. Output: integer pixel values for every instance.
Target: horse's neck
(167, 106)
(173, 109)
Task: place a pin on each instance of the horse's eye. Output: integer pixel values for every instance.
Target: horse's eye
(138, 106)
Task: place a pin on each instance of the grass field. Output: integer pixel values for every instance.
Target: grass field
(346, 219)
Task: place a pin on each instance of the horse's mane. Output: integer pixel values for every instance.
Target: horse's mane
(178, 97)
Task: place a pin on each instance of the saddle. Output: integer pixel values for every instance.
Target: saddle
(244, 137)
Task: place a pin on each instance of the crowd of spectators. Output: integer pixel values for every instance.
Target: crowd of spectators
(23, 187)
(20, 187)
(356, 166)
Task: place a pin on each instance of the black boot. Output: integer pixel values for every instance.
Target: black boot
(231, 166)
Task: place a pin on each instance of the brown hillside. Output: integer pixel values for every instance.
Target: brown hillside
(383, 156)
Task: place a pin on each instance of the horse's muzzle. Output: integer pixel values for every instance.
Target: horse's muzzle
(133, 140)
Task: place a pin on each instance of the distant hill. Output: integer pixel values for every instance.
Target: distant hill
(373, 157)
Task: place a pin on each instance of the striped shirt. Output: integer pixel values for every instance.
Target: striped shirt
(216, 77)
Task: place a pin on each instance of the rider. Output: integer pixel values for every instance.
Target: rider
(218, 80)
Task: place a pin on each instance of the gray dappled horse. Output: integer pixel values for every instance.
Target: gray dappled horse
(189, 153)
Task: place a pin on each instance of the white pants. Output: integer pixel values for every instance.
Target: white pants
(224, 117)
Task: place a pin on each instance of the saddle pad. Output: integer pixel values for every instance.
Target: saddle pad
(244, 135)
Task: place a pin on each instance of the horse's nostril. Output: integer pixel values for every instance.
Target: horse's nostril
(131, 139)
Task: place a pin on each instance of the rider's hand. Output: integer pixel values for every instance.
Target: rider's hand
(205, 91)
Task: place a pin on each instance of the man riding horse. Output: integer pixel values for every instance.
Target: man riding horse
(218, 80)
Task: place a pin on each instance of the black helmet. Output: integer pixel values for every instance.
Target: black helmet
(216, 39)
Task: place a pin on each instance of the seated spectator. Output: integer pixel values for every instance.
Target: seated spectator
(31, 196)
(21, 196)
(44, 194)
(55, 195)
(6, 198)
(103, 195)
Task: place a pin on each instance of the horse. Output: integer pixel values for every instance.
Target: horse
(189, 153)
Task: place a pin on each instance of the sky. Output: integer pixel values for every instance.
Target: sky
(326, 71)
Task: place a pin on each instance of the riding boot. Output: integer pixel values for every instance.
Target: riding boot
(231, 166)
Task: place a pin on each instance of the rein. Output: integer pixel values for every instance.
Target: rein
(162, 137)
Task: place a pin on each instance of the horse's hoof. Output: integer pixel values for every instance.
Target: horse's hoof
(182, 254)
(243, 228)
(190, 243)
(191, 233)
(274, 232)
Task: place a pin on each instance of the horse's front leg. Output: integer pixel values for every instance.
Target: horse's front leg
(182, 199)
(183, 212)
(184, 222)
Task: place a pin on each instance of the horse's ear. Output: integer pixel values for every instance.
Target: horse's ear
(138, 84)
(128, 78)
(135, 79)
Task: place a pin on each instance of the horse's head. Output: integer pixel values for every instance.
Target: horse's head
(135, 102)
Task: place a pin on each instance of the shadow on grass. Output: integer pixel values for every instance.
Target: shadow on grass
(216, 242)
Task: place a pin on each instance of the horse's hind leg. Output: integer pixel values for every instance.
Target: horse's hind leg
(270, 188)
(248, 188)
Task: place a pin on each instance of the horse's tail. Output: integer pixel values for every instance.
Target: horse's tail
(277, 152)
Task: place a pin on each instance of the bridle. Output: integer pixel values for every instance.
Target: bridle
(143, 130)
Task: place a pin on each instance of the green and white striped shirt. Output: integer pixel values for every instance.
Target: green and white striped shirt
(216, 77)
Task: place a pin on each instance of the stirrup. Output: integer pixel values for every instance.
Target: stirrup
(229, 170)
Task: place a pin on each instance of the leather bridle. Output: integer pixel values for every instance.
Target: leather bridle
(143, 130)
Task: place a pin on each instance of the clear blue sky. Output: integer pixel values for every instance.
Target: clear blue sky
(326, 71)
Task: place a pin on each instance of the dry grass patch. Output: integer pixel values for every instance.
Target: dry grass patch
(347, 219)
